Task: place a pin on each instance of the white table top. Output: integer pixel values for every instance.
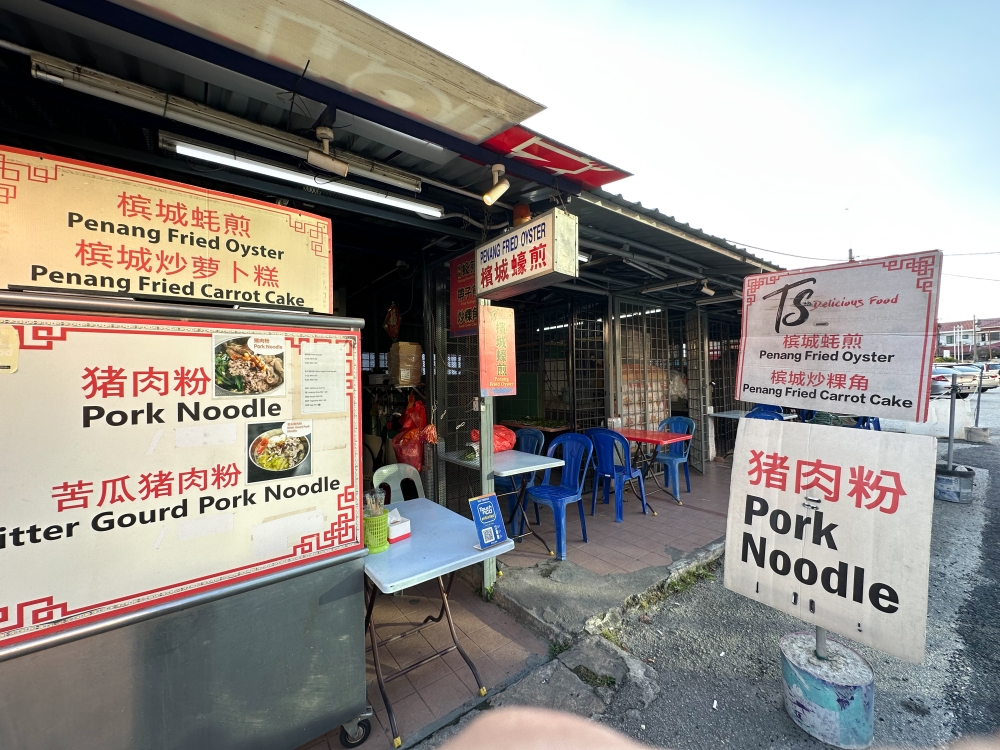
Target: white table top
(441, 541)
(508, 463)
(739, 414)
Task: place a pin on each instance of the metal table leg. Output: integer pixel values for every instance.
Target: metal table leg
(430, 620)
(527, 524)
(373, 637)
(647, 464)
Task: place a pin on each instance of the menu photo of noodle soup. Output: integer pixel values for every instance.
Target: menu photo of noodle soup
(252, 365)
(277, 450)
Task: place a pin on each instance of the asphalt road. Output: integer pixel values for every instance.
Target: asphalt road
(718, 664)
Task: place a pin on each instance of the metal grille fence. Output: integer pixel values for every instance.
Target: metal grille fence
(644, 381)
(723, 357)
(554, 338)
(589, 393)
(697, 386)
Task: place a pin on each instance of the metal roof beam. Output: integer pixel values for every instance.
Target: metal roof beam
(654, 262)
(664, 227)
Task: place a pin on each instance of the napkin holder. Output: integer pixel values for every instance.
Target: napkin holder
(399, 527)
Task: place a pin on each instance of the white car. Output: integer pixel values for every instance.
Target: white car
(991, 377)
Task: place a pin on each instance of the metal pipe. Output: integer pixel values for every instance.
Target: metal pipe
(979, 395)
(822, 652)
(951, 421)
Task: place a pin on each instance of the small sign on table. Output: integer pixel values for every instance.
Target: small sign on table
(489, 521)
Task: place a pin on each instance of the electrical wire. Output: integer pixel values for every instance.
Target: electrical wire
(976, 278)
(775, 252)
(835, 260)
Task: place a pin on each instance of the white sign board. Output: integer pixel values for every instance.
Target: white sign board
(833, 525)
(148, 460)
(542, 252)
(855, 338)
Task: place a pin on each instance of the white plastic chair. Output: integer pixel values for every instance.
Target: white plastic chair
(393, 478)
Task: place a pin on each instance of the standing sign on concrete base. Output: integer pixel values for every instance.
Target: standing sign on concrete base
(833, 526)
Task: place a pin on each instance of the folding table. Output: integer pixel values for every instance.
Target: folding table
(511, 464)
(440, 543)
(657, 438)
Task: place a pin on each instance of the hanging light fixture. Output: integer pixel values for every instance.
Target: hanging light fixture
(500, 186)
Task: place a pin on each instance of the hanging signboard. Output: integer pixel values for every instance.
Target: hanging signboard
(157, 459)
(72, 226)
(497, 364)
(853, 338)
(463, 303)
(833, 526)
(544, 251)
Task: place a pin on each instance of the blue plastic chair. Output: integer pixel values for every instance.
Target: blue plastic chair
(869, 423)
(768, 407)
(677, 453)
(761, 414)
(529, 440)
(576, 452)
(589, 432)
(608, 470)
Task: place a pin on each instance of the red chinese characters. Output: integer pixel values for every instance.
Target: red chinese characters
(837, 380)
(151, 485)
(111, 382)
(886, 487)
(773, 469)
(883, 488)
(537, 255)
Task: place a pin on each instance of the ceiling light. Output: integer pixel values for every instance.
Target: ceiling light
(705, 290)
(500, 186)
(246, 164)
(327, 163)
(582, 258)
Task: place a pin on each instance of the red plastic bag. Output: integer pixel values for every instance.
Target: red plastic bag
(409, 448)
(415, 414)
(503, 438)
(392, 322)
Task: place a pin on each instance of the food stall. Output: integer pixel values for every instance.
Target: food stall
(180, 526)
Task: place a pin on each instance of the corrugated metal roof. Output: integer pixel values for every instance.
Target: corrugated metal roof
(712, 249)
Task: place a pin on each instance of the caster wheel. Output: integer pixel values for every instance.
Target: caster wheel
(364, 729)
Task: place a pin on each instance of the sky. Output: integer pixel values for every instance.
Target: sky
(802, 129)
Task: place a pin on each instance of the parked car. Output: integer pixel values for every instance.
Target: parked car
(941, 382)
(991, 378)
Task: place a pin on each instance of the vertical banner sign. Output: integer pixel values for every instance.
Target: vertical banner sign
(544, 251)
(463, 304)
(854, 337)
(72, 226)
(497, 364)
(833, 526)
(158, 459)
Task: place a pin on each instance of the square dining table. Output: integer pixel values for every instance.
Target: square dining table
(657, 439)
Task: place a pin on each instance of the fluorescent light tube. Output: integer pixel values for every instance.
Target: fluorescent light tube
(301, 178)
